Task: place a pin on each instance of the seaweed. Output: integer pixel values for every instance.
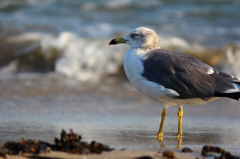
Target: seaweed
(68, 142)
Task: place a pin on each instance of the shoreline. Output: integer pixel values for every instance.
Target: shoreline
(112, 112)
(70, 145)
(129, 154)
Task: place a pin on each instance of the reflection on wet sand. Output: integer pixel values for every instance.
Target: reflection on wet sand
(39, 106)
(178, 145)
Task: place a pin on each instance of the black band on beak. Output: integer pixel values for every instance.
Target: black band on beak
(113, 42)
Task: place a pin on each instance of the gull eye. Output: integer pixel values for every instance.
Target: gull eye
(134, 35)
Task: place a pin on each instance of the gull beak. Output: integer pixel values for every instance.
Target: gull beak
(117, 41)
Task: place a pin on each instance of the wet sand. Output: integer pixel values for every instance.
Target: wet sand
(38, 106)
(126, 154)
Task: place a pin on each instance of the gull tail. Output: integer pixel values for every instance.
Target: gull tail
(235, 96)
(230, 93)
(229, 86)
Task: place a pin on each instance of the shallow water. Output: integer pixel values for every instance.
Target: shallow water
(209, 20)
(38, 106)
(71, 37)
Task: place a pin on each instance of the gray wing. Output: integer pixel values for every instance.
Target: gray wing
(188, 76)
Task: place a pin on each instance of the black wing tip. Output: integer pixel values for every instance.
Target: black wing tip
(235, 96)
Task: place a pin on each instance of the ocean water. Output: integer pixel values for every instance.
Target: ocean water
(71, 37)
(205, 21)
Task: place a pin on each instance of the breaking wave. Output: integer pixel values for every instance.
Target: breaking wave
(92, 59)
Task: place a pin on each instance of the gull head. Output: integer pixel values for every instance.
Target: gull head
(140, 37)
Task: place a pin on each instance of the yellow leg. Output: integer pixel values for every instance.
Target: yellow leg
(180, 116)
(179, 145)
(160, 132)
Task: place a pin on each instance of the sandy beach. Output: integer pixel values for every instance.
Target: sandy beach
(111, 112)
(126, 154)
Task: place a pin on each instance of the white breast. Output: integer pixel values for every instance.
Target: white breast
(133, 67)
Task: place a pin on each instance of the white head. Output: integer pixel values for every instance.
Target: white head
(141, 37)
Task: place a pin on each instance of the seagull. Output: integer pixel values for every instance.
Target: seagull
(172, 78)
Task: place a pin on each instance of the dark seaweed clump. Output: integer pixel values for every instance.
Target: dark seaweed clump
(68, 142)
(213, 149)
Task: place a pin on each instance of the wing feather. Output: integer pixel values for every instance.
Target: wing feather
(188, 76)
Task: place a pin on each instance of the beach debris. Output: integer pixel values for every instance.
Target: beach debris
(213, 149)
(71, 143)
(68, 142)
(25, 146)
(169, 155)
(187, 149)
